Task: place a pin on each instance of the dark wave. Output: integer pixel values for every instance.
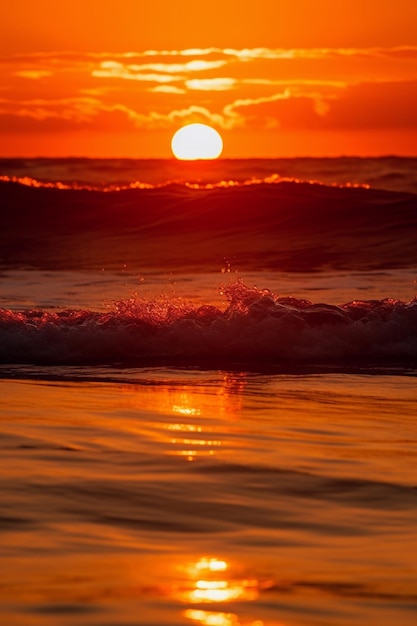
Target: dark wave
(287, 226)
(256, 327)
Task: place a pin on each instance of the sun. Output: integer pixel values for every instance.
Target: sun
(196, 141)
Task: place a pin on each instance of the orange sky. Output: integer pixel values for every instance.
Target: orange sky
(276, 78)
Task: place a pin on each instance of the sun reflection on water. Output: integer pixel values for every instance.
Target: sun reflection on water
(224, 590)
(206, 618)
(210, 581)
(213, 565)
(189, 404)
(187, 415)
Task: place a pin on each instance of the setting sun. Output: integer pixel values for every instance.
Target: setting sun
(196, 141)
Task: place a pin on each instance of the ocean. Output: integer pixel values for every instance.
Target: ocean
(208, 392)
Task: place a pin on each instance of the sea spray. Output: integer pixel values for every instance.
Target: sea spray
(255, 326)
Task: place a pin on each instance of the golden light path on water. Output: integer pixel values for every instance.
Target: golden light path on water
(191, 437)
(209, 580)
(211, 583)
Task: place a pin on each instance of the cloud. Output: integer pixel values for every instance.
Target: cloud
(167, 89)
(211, 84)
(186, 52)
(320, 53)
(156, 72)
(234, 118)
(192, 113)
(271, 53)
(196, 65)
(230, 88)
(69, 58)
(350, 65)
(114, 69)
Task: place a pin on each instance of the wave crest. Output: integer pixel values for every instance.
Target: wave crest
(256, 326)
(273, 179)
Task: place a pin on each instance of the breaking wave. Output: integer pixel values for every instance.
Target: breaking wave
(256, 326)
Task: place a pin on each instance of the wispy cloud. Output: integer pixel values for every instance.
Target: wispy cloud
(230, 88)
(134, 71)
(114, 69)
(211, 84)
(168, 89)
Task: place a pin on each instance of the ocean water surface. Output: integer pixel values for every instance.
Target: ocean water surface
(208, 392)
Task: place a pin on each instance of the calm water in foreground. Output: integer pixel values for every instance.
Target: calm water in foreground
(180, 496)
